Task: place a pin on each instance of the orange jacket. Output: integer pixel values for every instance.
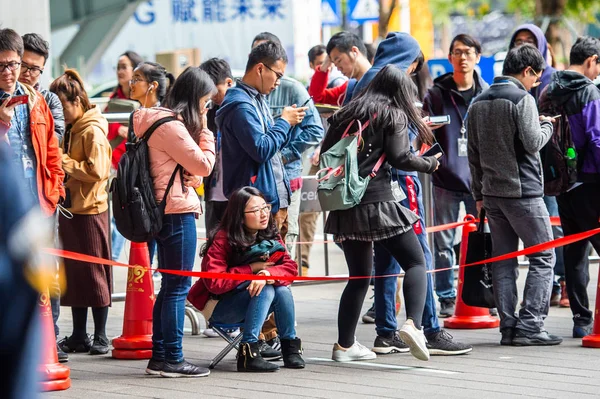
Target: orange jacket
(49, 173)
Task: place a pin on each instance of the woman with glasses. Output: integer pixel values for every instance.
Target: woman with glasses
(149, 84)
(248, 242)
(180, 151)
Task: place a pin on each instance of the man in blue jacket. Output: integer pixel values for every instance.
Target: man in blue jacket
(451, 95)
(574, 92)
(251, 139)
(403, 50)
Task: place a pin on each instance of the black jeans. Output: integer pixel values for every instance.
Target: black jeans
(405, 248)
(579, 211)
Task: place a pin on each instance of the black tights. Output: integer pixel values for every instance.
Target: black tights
(80, 322)
(405, 248)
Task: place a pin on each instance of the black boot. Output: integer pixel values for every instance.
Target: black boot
(291, 350)
(249, 359)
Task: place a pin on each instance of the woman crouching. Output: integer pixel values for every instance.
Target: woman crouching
(247, 242)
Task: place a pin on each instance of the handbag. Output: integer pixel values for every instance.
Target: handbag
(478, 289)
(264, 251)
(342, 187)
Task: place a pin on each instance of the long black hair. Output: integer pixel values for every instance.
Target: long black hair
(154, 72)
(184, 98)
(233, 223)
(390, 96)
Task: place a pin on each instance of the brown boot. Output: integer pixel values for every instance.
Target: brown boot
(555, 297)
(564, 297)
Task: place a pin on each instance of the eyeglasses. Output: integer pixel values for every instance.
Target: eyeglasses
(135, 80)
(520, 42)
(278, 74)
(33, 70)
(466, 53)
(265, 209)
(12, 66)
(538, 80)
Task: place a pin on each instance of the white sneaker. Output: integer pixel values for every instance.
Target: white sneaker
(415, 339)
(356, 352)
(210, 333)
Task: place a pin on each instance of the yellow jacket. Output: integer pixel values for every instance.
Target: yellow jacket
(86, 162)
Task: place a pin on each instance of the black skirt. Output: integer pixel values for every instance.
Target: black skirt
(370, 220)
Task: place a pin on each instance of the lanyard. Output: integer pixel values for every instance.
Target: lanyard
(463, 130)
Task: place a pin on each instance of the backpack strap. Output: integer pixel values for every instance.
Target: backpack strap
(377, 165)
(163, 203)
(155, 125)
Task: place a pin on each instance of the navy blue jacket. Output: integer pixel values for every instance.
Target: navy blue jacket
(249, 140)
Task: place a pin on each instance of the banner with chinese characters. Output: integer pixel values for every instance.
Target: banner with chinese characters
(219, 28)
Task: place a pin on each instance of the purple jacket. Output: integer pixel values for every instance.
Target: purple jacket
(580, 99)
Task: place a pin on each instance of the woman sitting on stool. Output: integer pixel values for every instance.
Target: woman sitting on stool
(247, 242)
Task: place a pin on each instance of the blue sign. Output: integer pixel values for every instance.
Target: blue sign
(330, 12)
(363, 10)
(487, 68)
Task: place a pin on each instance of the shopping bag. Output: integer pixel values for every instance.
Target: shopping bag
(478, 289)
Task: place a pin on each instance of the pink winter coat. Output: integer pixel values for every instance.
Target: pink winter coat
(170, 145)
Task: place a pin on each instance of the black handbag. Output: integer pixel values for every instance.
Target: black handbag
(478, 289)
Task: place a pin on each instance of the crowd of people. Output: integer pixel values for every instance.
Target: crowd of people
(246, 140)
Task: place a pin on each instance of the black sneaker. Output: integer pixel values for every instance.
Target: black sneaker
(582, 331)
(369, 317)
(442, 343)
(70, 344)
(154, 367)
(542, 338)
(508, 334)
(62, 356)
(183, 369)
(100, 346)
(389, 345)
(447, 307)
(494, 312)
(268, 352)
(275, 343)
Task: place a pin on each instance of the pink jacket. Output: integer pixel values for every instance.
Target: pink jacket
(170, 145)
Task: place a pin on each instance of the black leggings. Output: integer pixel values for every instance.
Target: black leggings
(80, 321)
(405, 248)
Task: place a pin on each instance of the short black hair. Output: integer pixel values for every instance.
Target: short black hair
(519, 58)
(268, 36)
(133, 57)
(344, 41)
(11, 41)
(36, 44)
(467, 40)
(267, 53)
(316, 51)
(371, 51)
(420, 60)
(218, 69)
(584, 48)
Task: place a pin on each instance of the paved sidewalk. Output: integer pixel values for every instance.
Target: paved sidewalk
(490, 371)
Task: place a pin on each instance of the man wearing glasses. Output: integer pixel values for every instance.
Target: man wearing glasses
(505, 137)
(452, 94)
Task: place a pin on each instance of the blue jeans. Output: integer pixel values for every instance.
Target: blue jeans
(117, 241)
(176, 244)
(237, 306)
(385, 288)
(446, 208)
(557, 232)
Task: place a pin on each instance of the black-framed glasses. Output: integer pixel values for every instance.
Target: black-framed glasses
(12, 66)
(278, 74)
(466, 53)
(265, 209)
(33, 70)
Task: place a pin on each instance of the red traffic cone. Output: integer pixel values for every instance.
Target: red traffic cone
(468, 316)
(54, 376)
(593, 340)
(136, 340)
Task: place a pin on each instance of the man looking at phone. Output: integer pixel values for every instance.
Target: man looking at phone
(451, 95)
(29, 129)
(505, 137)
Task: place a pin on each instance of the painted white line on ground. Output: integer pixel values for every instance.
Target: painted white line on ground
(386, 366)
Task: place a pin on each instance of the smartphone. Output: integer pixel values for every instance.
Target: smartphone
(439, 120)
(556, 116)
(306, 102)
(433, 150)
(18, 100)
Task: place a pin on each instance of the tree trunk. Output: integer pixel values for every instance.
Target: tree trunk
(554, 9)
(386, 8)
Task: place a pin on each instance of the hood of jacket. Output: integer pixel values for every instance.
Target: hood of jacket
(93, 117)
(398, 48)
(233, 97)
(565, 84)
(143, 118)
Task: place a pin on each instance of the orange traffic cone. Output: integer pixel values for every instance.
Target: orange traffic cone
(593, 340)
(54, 376)
(468, 316)
(136, 340)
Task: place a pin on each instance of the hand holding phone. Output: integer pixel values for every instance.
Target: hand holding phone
(18, 100)
(306, 102)
(434, 151)
(438, 120)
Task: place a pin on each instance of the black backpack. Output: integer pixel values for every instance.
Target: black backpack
(138, 216)
(560, 171)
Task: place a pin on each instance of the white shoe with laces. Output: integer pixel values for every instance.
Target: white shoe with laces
(356, 352)
(415, 339)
